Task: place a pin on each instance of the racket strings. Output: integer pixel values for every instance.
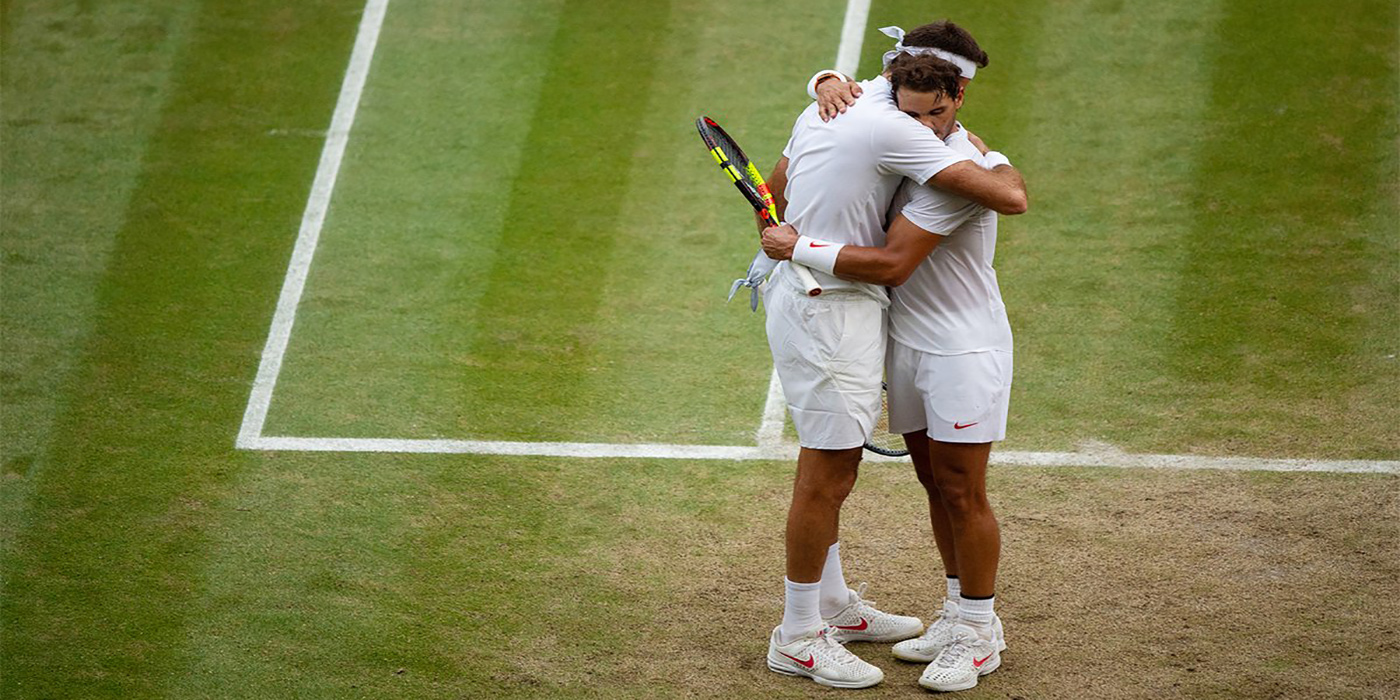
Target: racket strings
(882, 441)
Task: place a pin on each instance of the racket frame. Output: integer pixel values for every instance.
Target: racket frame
(751, 184)
(885, 415)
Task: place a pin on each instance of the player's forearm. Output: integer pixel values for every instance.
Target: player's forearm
(873, 265)
(1001, 189)
(777, 186)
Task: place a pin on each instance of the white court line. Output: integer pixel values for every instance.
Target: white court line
(770, 431)
(788, 452)
(311, 221)
(852, 37)
(769, 437)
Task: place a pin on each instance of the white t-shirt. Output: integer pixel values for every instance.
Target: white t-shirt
(951, 304)
(842, 174)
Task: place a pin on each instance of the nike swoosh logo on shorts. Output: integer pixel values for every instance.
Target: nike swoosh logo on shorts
(960, 426)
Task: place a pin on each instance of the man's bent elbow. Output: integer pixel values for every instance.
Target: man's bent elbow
(896, 274)
(1013, 204)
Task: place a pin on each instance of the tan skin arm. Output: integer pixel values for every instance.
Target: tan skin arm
(777, 185)
(906, 246)
(1001, 189)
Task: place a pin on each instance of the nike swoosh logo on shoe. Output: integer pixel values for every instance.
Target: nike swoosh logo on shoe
(810, 662)
(976, 663)
(854, 628)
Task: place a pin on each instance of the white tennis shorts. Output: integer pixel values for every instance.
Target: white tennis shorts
(829, 351)
(957, 398)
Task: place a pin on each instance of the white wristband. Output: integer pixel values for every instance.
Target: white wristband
(818, 255)
(992, 159)
(812, 84)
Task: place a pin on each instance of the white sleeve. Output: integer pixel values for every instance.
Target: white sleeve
(932, 210)
(960, 143)
(908, 148)
(797, 127)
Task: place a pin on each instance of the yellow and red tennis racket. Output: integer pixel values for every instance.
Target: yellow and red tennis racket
(746, 177)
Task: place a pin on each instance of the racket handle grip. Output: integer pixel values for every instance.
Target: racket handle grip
(804, 275)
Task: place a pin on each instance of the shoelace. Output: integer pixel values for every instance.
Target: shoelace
(832, 650)
(862, 604)
(938, 626)
(953, 653)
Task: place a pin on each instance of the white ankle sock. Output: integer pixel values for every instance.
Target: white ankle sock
(801, 610)
(977, 613)
(835, 595)
(954, 589)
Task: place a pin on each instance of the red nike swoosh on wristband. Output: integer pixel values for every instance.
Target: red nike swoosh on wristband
(818, 245)
(854, 628)
(960, 426)
(810, 662)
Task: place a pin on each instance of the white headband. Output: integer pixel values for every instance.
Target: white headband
(966, 67)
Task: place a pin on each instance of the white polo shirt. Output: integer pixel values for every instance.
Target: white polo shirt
(951, 304)
(843, 173)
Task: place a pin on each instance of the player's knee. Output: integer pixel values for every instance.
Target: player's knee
(829, 488)
(961, 498)
(927, 478)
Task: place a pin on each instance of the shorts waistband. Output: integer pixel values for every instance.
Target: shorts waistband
(788, 280)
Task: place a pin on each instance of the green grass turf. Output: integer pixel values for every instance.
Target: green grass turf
(156, 163)
(1209, 264)
(560, 228)
(107, 555)
(82, 94)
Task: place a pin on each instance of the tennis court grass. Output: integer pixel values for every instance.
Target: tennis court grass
(1201, 272)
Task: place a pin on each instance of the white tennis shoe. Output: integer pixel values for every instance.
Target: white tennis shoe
(859, 621)
(940, 634)
(958, 665)
(823, 659)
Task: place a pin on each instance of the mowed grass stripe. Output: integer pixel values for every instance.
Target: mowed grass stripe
(1172, 290)
(415, 221)
(74, 133)
(1286, 307)
(1107, 154)
(100, 586)
(679, 364)
(538, 326)
(588, 303)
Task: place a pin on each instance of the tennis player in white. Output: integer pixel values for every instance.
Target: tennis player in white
(834, 92)
(837, 177)
(949, 373)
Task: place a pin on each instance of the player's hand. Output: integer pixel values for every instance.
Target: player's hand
(834, 96)
(778, 241)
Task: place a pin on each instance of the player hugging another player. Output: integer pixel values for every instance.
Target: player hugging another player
(947, 361)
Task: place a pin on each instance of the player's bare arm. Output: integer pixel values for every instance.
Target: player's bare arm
(1001, 189)
(906, 246)
(777, 186)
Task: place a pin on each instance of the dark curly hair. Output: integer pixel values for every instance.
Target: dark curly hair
(945, 35)
(924, 74)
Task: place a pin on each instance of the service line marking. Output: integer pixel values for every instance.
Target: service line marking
(770, 443)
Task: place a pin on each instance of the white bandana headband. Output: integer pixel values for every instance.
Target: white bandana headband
(966, 67)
